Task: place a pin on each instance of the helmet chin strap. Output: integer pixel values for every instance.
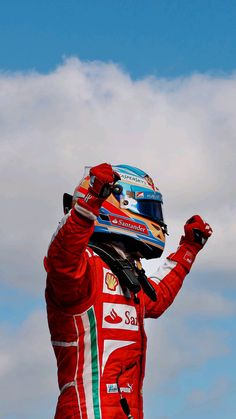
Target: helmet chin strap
(130, 273)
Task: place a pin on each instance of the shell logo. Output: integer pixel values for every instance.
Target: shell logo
(111, 281)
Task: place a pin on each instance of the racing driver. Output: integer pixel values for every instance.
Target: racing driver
(97, 292)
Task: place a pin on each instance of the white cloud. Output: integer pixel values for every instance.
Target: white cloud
(201, 303)
(27, 370)
(181, 131)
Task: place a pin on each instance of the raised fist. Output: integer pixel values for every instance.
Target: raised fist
(196, 231)
(102, 180)
(101, 184)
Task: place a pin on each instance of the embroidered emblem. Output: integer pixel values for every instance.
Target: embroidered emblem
(113, 317)
(120, 316)
(113, 388)
(111, 281)
(188, 256)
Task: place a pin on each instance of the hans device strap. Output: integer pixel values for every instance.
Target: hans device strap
(145, 284)
(129, 276)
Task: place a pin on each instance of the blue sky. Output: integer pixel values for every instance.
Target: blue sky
(164, 38)
(74, 111)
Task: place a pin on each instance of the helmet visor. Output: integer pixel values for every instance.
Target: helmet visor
(150, 209)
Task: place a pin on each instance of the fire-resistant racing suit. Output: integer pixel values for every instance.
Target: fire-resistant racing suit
(97, 329)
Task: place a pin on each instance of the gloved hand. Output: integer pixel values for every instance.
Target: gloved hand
(102, 181)
(197, 232)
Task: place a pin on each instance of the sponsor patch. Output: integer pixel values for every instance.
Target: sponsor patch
(130, 225)
(113, 317)
(150, 182)
(154, 196)
(188, 257)
(113, 388)
(110, 283)
(119, 316)
(133, 179)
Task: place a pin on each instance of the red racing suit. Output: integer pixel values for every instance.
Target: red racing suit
(97, 330)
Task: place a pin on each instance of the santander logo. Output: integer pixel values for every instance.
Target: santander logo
(114, 221)
(113, 317)
(129, 224)
(120, 316)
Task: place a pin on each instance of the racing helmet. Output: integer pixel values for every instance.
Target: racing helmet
(131, 215)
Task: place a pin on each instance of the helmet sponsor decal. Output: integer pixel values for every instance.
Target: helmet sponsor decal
(128, 224)
(119, 316)
(113, 388)
(111, 281)
(150, 182)
(132, 179)
(149, 195)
